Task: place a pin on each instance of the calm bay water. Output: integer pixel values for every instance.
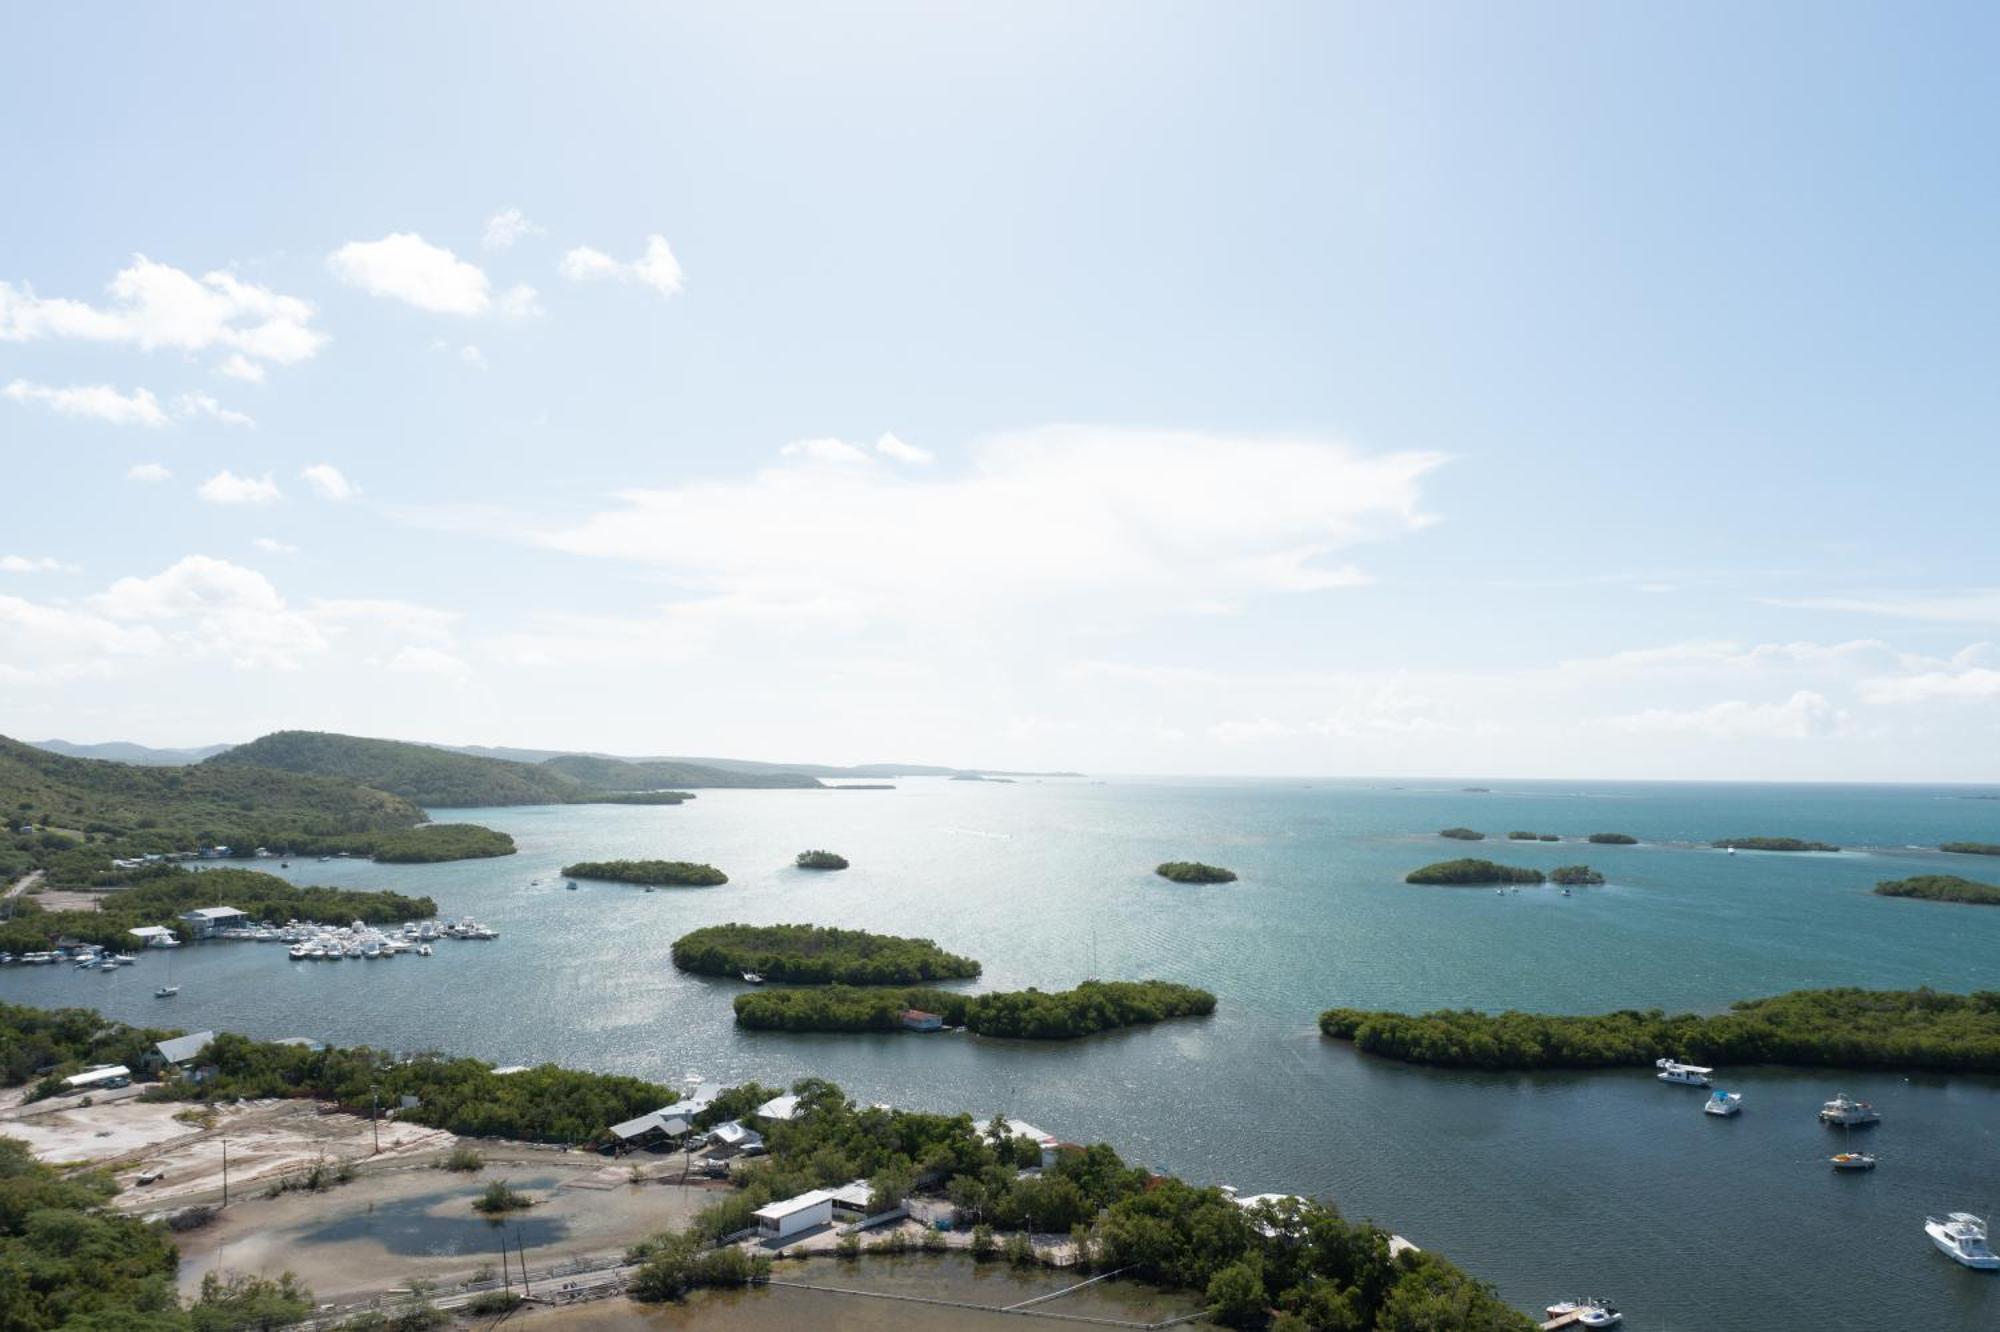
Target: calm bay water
(1546, 1184)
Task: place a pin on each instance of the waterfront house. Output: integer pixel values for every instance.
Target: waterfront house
(207, 922)
(915, 1019)
(852, 1198)
(154, 936)
(1048, 1142)
(794, 1216)
(779, 1107)
(644, 1131)
(734, 1139)
(174, 1058)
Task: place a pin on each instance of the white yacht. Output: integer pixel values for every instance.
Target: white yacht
(1852, 1161)
(1724, 1103)
(753, 978)
(1961, 1237)
(1688, 1075)
(1847, 1112)
(166, 991)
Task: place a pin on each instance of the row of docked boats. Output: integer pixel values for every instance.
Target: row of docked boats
(317, 943)
(1961, 1236)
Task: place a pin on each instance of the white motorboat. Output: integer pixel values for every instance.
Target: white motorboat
(1687, 1075)
(1852, 1161)
(1961, 1237)
(753, 977)
(166, 991)
(1847, 1112)
(423, 950)
(1724, 1103)
(1585, 1313)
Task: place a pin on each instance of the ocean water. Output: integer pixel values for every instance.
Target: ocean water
(1549, 1185)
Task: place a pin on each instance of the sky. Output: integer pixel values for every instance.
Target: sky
(1549, 389)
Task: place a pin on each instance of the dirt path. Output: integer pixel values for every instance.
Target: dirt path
(24, 883)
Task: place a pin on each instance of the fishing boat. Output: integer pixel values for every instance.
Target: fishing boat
(1846, 1112)
(1724, 1104)
(166, 991)
(1961, 1237)
(1585, 1313)
(1687, 1075)
(753, 977)
(1852, 1161)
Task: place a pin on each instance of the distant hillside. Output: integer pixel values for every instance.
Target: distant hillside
(124, 809)
(609, 774)
(747, 765)
(124, 751)
(436, 778)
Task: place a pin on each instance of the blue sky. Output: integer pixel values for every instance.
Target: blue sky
(1547, 390)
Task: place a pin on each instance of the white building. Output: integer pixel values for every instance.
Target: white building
(205, 922)
(733, 1139)
(779, 1107)
(110, 1075)
(1048, 1142)
(180, 1049)
(782, 1220)
(154, 936)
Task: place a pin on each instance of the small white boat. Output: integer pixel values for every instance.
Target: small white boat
(753, 978)
(1961, 1237)
(1599, 1314)
(1847, 1112)
(166, 991)
(423, 950)
(1687, 1075)
(1852, 1161)
(1724, 1103)
(1730, 849)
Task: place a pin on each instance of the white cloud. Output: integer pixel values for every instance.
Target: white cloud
(472, 357)
(225, 487)
(1805, 715)
(328, 483)
(156, 305)
(520, 301)
(239, 366)
(91, 402)
(656, 268)
(891, 447)
(508, 226)
(273, 546)
(1979, 605)
(216, 609)
(44, 564)
(406, 267)
(200, 404)
(823, 450)
(1118, 523)
(1973, 684)
(149, 473)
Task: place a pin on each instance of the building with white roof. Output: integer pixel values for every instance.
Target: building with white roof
(779, 1107)
(204, 922)
(793, 1216)
(107, 1075)
(734, 1138)
(180, 1049)
(153, 936)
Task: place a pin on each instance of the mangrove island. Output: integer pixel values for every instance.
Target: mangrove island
(1467, 872)
(817, 955)
(1030, 1014)
(1193, 871)
(1772, 844)
(1533, 837)
(821, 860)
(679, 873)
(1613, 839)
(1582, 876)
(1972, 848)
(1462, 834)
(1942, 888)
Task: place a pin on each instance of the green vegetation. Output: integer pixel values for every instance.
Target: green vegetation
(679, 873)
(167, 891)
(1091, 1007)
(318, 1177)
(1773, 844)
(492, 1304)
(1846, 1028)
(1614, 839)
(464, 1159)
(1580, 876)
(1972, 848)
(420, 773)
(1942, 888)
(1532, 837)
(1463, 872)
(1462, 834)
(1193, 871)
(821, 860)
(38, 1040)
(817, 955)
(634, 798)
(1318, 1269)
(501, 1198)
(433, 842)
(610, 774)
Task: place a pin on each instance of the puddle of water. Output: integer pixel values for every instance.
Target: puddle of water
(441, 1224)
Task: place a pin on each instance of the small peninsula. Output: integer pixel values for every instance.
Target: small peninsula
(1843, 1028)
(1942, 888)
(1972, 848)
(1462, 834)
(817, 955)
(820, 860)
(1031, 1014)
(1193, 871)
(1772, 844)
(1613, 839)
(428, 843)
(1580, 876)
(679, 873)
(1460, 873)
(634, 798)
(1533, 837)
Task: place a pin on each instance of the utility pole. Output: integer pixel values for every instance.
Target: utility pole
(225, 1172)
(504, 1280)
(522, 1249)
(374, 1103)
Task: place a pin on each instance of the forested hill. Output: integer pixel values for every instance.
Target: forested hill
(89, 795)
(610, 774)
(432, 777)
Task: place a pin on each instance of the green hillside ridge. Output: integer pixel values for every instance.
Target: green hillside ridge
(435, 778)
(610, 774)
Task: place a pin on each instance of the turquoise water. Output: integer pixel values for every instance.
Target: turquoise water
(1546, 1184)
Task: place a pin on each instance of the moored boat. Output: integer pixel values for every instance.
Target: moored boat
(1686, 1075)
(1724, 1104)
(753, 977)
(1845, 1111)
(1961, 1237)
(1852, 1161)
